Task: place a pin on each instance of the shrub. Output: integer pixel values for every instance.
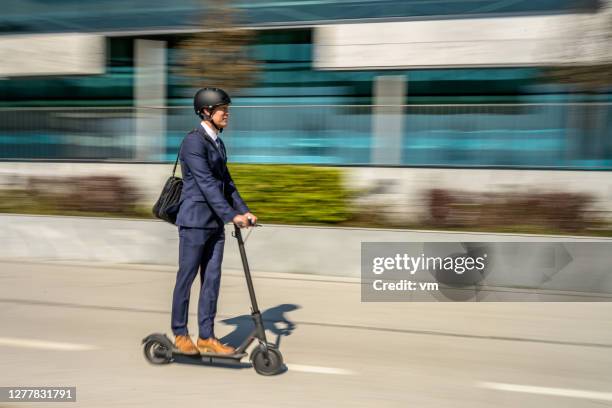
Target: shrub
(95, 194)
(293, 194)
(554, 210)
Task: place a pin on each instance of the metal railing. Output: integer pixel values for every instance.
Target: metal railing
(513, 135)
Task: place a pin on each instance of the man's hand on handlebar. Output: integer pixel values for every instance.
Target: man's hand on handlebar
(251, 217)
(241, 221)
(246, 220)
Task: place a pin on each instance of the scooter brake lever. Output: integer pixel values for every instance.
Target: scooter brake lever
(249, 233)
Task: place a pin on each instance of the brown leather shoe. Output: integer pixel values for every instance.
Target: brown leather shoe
(213, 345)
(185, 345)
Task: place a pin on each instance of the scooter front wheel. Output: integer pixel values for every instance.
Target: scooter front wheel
(269, 364)
(157, 353)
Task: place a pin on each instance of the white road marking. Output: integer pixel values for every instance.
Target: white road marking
(319, 370)
(44, 345)
(559, 392)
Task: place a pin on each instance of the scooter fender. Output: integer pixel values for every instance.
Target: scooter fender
(159, 337)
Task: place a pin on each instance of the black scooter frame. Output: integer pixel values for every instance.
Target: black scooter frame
(167, 352)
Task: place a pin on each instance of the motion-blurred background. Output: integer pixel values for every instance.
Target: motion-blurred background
(472, 114)
(409, 117)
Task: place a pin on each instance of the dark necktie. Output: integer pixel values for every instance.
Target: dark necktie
(218, 142)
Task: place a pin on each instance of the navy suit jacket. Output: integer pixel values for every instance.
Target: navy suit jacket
(209, 198)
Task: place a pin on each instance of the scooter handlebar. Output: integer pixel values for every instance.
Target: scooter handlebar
(249, 225)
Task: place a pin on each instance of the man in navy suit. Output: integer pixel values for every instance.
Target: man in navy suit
(209, 200)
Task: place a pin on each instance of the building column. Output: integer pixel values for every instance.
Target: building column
(150, 99)
(387, 123)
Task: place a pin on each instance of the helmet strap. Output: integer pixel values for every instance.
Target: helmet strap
(220, 130)
(208, 118)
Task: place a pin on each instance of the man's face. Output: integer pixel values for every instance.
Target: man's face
(220, 116)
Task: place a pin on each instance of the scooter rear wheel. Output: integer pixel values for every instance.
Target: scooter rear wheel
(267, 365)
(156, 352)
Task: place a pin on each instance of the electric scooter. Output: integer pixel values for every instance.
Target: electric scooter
(265, 357)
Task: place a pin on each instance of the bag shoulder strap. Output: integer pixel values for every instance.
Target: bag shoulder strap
(176, 161)
(177, 156)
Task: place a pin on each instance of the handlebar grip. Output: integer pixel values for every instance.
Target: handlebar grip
(251, 223)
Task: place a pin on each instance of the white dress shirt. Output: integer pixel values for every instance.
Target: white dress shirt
(215, 136)
(211, 132)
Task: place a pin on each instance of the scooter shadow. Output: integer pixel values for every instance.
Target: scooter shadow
(275, 322)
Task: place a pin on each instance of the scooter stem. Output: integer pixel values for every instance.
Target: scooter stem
(247, 271)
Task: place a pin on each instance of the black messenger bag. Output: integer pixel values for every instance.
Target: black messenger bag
(167, 206)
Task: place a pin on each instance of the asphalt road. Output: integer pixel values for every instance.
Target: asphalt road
(81, 325)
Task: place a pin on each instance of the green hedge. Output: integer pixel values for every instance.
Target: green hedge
(293, 194)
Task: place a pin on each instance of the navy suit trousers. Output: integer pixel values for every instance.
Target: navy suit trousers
(199, 249)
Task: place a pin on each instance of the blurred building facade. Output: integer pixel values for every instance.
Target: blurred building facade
(401, 83)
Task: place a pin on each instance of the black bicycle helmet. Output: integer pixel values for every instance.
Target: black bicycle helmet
(209, 98)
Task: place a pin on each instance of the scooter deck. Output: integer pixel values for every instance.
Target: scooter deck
(236, 356)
